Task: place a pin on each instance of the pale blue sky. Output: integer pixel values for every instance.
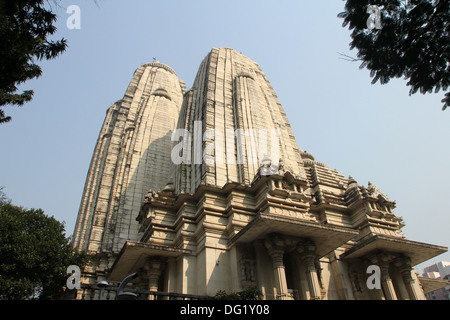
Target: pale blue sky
(375, 133)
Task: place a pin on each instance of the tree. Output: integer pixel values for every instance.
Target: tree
(251, 293)
(413, 41)
(3, 198)
(24, 29)
(34, 254)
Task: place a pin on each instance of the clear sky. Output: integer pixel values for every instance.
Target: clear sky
(375, 133)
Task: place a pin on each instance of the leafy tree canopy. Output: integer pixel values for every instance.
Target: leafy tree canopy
(413, 42)
(24, 29)
(34, 254)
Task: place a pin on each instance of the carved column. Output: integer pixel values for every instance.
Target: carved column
(307, 251)
(153, 270)
(386, 282)
(404, 266)
(383, 260)
(275, 246)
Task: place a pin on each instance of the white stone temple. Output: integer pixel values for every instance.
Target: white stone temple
(206, 189)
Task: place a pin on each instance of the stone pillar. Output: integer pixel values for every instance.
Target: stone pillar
(307, 251)
(153, 270)
(386, 282)
(383, 260)
(404, 266)
(275, 246)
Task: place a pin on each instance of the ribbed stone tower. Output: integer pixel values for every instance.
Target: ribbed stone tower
(232, 98)
(206, 189)
(132, 155)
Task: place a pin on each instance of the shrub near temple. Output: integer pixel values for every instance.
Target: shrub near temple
(34, 254)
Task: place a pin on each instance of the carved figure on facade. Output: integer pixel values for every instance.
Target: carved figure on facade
(374, 192)
(248, 269)
(268, 168)
(149, 196)
(355, 279)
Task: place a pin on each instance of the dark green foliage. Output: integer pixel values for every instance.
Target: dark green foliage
(3, 198)
(251, 293)
(413, 42)
(24, 28)
(34, 254)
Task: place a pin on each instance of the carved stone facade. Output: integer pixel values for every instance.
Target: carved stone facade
(233, 213)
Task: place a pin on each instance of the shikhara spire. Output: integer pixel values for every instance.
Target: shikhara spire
(232, 100)
(130, 157)
(206, 189)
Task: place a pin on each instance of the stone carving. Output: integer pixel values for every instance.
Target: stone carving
(285, 185)
(247, 265)
(267, 168)
(149, 196)
(355, 279)
(374, 192)
(248, 270)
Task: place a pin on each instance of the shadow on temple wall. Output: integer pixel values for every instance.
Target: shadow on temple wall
(153, 172)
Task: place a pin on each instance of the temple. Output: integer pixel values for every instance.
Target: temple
(206, 189)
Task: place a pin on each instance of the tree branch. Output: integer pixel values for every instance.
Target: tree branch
(349, 58)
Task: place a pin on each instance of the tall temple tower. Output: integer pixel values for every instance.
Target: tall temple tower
(130, 157)
(206, 189)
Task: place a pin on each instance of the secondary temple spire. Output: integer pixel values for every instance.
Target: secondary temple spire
(130, 157)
